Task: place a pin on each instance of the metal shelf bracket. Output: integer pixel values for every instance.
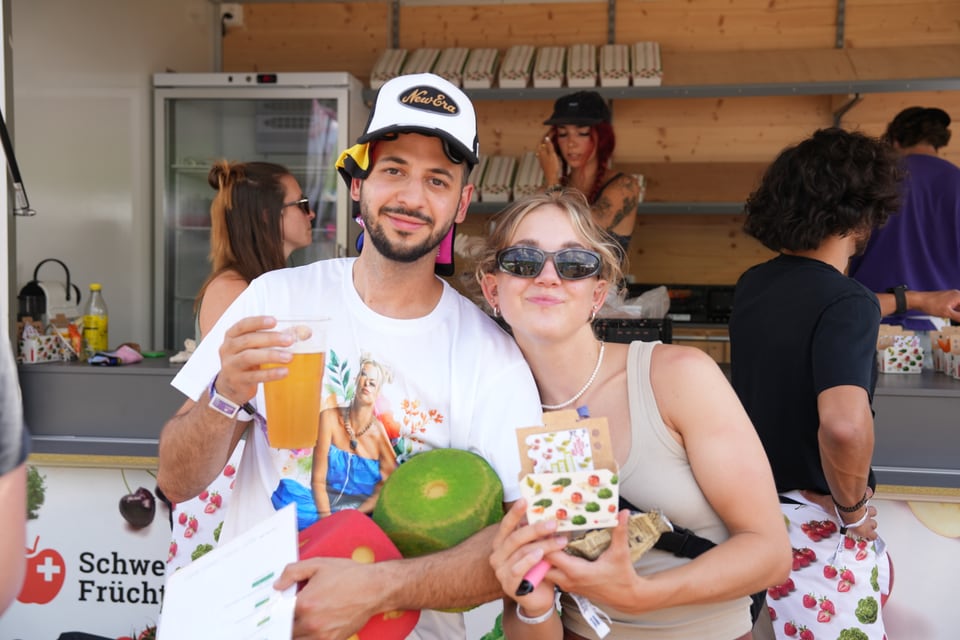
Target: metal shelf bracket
(842, 111)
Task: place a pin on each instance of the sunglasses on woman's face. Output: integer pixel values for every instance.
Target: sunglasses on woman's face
(527, 262)
(303, 203)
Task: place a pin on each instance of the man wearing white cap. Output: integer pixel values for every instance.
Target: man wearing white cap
(459, 380)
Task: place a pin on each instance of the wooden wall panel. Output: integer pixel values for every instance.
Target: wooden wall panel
(299, 36)
(692, 249)
(689, 149)
(880, 23)
(722, 25)
(502, 25)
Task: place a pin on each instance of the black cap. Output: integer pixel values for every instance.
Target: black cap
(583, 108)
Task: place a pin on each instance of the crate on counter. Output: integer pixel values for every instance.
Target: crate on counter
(548, 69)
(899, 354)
(387, 67)
(450, 64)
(421, 61)
(582, 65)
(498, 179)
(614, 65)
(647, 65)
(478, 72)
(529, 176)
(476, 178)
(516, 67)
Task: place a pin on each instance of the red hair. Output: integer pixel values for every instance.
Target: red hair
(605, 142)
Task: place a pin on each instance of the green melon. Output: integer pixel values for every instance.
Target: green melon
(437, 499)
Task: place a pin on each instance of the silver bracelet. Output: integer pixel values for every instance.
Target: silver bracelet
(539, 619)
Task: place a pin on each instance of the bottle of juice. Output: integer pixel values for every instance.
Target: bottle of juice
(95, 322)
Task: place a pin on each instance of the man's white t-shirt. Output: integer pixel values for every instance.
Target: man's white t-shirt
(457, 380)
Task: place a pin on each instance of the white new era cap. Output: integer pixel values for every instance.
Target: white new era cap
(428, 104)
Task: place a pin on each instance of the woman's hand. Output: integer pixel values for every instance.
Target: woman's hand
(611, 578)
(549, 161)
(516, 549)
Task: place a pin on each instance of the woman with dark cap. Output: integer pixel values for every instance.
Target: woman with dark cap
(914, 255)
(576, 152)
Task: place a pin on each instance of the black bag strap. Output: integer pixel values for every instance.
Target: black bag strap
(685, 543)
(680, 542)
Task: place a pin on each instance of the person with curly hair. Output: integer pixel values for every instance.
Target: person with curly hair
(803, 362)
(576, 151)
(914, 256)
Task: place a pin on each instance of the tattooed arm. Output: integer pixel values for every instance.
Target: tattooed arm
(616, 208)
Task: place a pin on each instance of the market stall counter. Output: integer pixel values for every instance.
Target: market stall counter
(77, 408)
(916, 435)
(98, 536)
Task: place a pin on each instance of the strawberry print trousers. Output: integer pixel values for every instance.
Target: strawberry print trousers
(838, 582)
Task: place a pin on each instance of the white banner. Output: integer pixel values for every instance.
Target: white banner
(89, 569)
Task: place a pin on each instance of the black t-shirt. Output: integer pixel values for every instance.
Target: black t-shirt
(799, 327)
(13, 434)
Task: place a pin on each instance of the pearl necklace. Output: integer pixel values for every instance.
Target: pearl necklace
(583, 389)
(354, 437)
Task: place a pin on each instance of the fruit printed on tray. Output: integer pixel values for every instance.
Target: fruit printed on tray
(576, 500)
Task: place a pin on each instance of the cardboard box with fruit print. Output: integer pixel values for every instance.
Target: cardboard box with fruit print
(568, 472)
(899, 352)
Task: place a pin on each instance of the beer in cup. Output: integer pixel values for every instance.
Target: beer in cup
(293, 402)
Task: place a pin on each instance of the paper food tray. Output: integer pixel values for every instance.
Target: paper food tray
(577, 500)
(582, 65)
(647, 66)
(498, 178)
(421, 61)
(479, 69)
(614, 65)
(476, 178)
(388, 66)
(516, 66)
(450, 63)
(529, 176)
(548, 70)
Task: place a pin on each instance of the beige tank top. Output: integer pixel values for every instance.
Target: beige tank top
(657, 475)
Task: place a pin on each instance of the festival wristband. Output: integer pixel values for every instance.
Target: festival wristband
(853, 525)
(539, 619)
(223, 405)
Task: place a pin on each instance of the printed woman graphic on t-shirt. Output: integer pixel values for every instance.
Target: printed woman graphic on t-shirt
(353, 455)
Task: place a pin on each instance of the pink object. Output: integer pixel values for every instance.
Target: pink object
(533, 577)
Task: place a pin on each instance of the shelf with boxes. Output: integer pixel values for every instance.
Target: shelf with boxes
(641, 71)
(522, 75)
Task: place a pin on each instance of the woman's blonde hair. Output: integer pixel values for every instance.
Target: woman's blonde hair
(575, 206)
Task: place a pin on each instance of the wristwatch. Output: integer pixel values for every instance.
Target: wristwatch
(223, 405)
(900, 294)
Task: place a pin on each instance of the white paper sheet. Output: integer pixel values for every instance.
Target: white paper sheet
(228, 593)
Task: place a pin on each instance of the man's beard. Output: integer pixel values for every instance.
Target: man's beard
(376, 234)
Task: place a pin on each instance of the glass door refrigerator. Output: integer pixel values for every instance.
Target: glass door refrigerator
(299, 120)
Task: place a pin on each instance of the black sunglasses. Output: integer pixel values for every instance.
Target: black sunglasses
(303, 203)
(527, 262)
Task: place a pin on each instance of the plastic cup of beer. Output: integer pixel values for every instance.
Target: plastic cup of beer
(293, 402)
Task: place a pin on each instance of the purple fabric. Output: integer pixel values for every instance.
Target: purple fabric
(920, 246)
